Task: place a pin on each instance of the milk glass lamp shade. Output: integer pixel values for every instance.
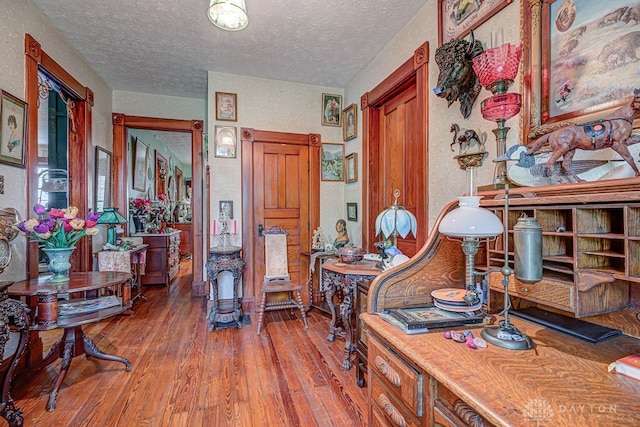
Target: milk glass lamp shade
(396, 220)
(470, 220)
(230, 15)
(111, 217)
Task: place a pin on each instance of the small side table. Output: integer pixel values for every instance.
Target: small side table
(225, 259)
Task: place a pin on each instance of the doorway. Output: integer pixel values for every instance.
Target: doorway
(123, 122)
(395, 149)
(281, 187)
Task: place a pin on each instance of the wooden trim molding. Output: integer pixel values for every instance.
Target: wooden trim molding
(120, 124)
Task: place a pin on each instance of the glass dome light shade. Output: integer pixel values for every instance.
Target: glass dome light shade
(230, 15)
(470, 220)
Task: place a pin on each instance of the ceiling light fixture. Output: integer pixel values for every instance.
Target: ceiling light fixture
(230, 15)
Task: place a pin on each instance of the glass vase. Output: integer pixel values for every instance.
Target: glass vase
(59, 263)
(139, 221)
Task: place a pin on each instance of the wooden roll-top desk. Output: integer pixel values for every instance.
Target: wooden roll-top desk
(591, 257)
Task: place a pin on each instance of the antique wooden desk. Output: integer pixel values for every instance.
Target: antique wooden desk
(338, 275)
(42, 299)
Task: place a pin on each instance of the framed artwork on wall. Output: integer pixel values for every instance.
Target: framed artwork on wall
(349, 122)
(331, 109)
(13, 125)
(102, 183)
(225, 142)
(458, 17)
(226, 208)
(226, 106)
(351, 167)
(331, 166)
(352, 211)
(140, 150)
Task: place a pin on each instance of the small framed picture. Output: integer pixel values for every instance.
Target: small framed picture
(351, 167)
(13, 136)
(140, 165)
(352, 211)
(226, 106)
(225, 142)
(331, 167)
(349, 122)
(226, 208)
(331, 109)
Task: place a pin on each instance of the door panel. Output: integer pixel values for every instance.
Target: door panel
(281, 193)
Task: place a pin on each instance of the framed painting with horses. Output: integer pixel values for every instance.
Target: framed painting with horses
(580, 57)
(580, 100)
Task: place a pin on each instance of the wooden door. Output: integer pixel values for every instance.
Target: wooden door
(279, 189)
(395, 149)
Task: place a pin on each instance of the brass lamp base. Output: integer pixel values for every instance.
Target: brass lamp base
(507, 336)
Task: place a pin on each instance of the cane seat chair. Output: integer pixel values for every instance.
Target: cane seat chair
(276, 277)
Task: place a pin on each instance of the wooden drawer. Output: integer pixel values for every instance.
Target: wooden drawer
(450, 410)
(552, 293)
(386, 409)
(397, 374)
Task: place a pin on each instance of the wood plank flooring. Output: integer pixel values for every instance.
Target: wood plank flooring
(184, 375)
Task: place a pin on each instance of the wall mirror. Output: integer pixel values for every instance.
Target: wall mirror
(102, 182)
(162, 171)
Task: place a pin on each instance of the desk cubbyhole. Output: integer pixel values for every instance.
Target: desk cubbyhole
(557, 246)
(601, 254)
(633, 258)
(600, 221)
(633, 221)
(515, 214)
(555, 220)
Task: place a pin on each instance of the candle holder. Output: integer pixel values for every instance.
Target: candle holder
(226, 236)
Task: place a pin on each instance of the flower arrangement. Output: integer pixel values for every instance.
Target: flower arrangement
(58, 228)
(140, 206)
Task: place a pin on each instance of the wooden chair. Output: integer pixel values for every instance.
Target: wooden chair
(276, 277)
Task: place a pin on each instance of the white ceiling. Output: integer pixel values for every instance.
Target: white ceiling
(167, 46)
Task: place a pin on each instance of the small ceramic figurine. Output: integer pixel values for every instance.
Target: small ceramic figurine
(342, 238)
(319, 240)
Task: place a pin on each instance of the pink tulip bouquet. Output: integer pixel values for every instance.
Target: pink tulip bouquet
(58, 228)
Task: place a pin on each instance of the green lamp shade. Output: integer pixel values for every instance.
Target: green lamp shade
(111, 216)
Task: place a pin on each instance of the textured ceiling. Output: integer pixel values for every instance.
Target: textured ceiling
(167, 46)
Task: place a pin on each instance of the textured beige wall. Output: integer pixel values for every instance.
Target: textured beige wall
(276, 106)
(17, 19)
(446, 180)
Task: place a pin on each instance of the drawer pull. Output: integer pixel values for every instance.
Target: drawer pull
(467, 414)
(388, 372)
(524, 289)
(391, 411)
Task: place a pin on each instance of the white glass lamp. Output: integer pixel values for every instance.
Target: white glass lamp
(230, 15)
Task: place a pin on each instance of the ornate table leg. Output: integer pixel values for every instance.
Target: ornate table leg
(330, 290)
(237, 312)
(346, 311)
(72, 338)
(213, 314)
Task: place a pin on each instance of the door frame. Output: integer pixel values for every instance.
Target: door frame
(412, 71)
(249, 136)
(79, 143)
(121, 123)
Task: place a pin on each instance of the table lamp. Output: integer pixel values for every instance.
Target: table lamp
(471, 223)
(111, 217)
(396, 220)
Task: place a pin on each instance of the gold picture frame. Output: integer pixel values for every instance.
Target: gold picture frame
(351, 168)
(225, 142)
(332, 157)
(13, 126)
(140, 153)
(226, 106)
(331, 110)
(349, 122)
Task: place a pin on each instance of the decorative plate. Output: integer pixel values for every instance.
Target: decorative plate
(8, 217)
(5, 253)
(458, 308)
(453, 295)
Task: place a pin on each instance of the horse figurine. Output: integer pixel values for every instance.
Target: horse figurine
(612, 131)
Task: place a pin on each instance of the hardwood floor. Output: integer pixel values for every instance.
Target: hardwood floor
(184, 375)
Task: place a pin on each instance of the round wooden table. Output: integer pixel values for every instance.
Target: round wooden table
(42, 298)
